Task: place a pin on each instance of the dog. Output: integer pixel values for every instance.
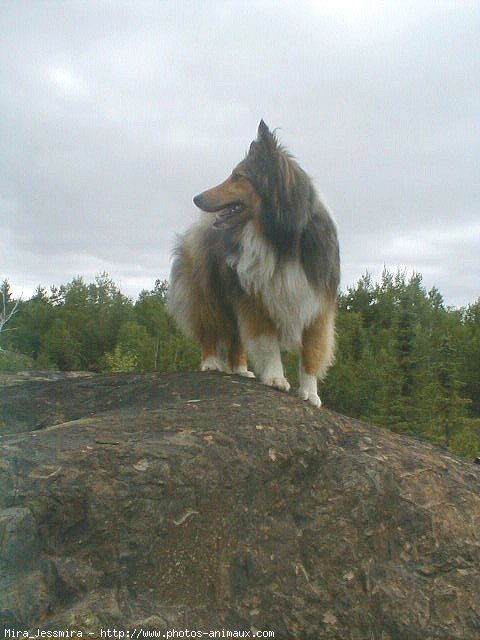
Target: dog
(259, 272)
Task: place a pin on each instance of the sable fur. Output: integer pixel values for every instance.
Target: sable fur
(260, 271)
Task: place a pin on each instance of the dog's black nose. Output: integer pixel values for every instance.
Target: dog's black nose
(198, 200)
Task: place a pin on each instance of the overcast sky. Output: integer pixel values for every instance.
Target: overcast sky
(114, 114)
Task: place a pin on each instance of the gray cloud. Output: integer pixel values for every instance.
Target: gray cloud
(115, 114)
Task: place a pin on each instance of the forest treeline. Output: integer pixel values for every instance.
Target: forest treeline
(404, 359)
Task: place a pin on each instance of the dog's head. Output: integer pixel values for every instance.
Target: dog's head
(235, 200)
(268, 185)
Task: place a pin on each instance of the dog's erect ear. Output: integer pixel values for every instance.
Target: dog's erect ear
(266, 137)
(263, 130)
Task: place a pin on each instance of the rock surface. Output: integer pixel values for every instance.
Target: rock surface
(204, 501)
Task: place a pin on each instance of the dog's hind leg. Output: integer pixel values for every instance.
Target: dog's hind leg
(318, 342)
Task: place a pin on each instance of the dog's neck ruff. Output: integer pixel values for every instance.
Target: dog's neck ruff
(283, 287)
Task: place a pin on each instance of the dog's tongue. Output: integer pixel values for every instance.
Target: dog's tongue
(222, 217)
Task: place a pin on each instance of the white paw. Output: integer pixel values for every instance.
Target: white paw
(310, 395)
(245, 373)
(241, 371)
(278, 383)
(211, 364)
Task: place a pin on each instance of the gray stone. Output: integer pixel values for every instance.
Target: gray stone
(123, 503)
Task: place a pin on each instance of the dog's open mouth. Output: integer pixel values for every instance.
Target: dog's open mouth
(228, 213)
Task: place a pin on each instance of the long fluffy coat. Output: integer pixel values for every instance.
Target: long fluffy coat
(259, 272)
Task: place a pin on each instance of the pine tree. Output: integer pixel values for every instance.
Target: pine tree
(450, 404)
(59, 350)
(35, 317)
(470, 368)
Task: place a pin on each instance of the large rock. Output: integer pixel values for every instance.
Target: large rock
(203, 501)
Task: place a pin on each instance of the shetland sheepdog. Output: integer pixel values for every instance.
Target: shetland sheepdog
(259, 272)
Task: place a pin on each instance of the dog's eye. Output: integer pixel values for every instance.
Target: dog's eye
(236, 177)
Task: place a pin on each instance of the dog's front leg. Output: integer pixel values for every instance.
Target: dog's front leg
(237, 358)
(210, 360)
(259, 336)
(264, 351)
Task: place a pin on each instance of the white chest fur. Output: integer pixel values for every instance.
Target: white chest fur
(284, 289)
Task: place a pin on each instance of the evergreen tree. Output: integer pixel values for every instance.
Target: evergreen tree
(172, 350)
(93, 314)
(134, 349)
(35, 317)
(59, 350)
(450, 404)
(470, 347)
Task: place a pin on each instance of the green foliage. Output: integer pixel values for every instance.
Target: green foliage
(59, 349)
(94, 314)
(469, 342)
(135, 349)
(13, 361)
(466, 438)
(170, 349)
(406, 362)
(120, 360)
(403, 360)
